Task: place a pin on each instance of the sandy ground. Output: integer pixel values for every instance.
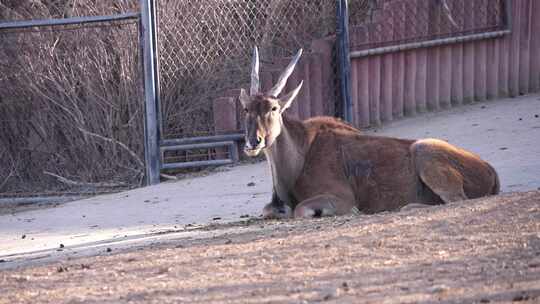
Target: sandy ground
(227, 195)
(480, 251)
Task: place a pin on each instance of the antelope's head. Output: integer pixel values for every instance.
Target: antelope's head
(263, 111)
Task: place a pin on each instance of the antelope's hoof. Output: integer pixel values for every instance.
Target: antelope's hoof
(276, 212)
(306, 212)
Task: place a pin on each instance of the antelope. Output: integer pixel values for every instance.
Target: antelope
(325, 167)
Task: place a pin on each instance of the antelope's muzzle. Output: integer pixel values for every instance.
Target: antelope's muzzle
(254, 145)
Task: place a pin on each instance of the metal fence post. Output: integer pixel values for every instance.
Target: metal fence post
(507, 16)
(344, 60)
(151, 131)
(155, 36)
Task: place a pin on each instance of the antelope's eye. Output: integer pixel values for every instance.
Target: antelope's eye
(274, 109)
(245, 110)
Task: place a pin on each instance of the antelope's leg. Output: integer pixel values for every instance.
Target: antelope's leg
(444, 180)
(436, 166)
(276, 209)
(323, 205)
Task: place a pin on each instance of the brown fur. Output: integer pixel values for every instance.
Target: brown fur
(343, 170)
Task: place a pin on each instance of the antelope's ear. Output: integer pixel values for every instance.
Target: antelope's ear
(286, 101)
(244, 98)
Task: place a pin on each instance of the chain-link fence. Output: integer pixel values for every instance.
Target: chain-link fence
(71, 114)
(205, 49)
(395, 22)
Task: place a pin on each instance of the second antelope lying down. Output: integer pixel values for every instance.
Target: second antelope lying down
(323, 166)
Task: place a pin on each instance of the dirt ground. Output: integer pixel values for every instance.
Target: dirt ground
(478, 251)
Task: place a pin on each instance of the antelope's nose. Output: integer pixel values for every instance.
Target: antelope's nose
(254, 142)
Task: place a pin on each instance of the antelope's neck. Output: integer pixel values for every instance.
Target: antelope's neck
(286, 157)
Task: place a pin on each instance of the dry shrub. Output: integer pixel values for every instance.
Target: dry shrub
(70, 102)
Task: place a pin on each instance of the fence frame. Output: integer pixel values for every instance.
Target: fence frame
(66, 21)
(344, 59)
(148, 41)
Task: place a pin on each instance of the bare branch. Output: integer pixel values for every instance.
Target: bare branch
(85, 184)
(116, 142)
(448, 13)
(167, 176)
(11, 171)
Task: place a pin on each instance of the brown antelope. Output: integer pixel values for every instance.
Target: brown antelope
(322, 166)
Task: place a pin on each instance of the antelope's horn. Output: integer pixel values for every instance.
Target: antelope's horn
(276, 90)
(255, 73)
